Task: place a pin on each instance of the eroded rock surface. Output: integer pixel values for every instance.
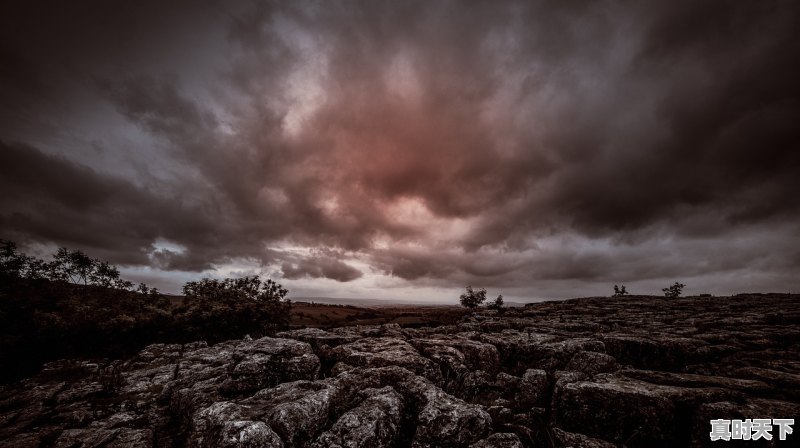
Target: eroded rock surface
(634, 372)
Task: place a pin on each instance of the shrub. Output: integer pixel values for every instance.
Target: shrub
(222, 309)
(673, 291)
(472, 298)
(620, 291)
(497, 304)
(71, 307)
(235, 289)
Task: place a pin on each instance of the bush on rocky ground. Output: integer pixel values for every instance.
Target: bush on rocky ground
(75, 306)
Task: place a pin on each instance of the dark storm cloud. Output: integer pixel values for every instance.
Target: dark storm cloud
(318, 263)
(720, 134)
(158, 106)
(321, 268)
(53, 199)
(504, 143)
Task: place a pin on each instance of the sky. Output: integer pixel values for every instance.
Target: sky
(406, 149)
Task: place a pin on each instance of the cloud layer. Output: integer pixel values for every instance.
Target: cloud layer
(410, 148)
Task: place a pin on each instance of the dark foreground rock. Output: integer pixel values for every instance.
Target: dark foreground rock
(634, 372)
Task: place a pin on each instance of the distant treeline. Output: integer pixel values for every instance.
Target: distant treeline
(77, 306)
(67, 265)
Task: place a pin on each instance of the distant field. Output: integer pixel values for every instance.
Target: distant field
(327, 315)
(368, 312)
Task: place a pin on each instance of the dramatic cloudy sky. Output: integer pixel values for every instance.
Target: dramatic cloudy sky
(403, 149)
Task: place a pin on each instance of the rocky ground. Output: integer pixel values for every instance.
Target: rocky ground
(634, 372)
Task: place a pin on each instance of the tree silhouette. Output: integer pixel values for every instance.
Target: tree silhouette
(472, 298)
(673, 291)
(104, 274)
(35, 269)
(12, 263)
(71, 265)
